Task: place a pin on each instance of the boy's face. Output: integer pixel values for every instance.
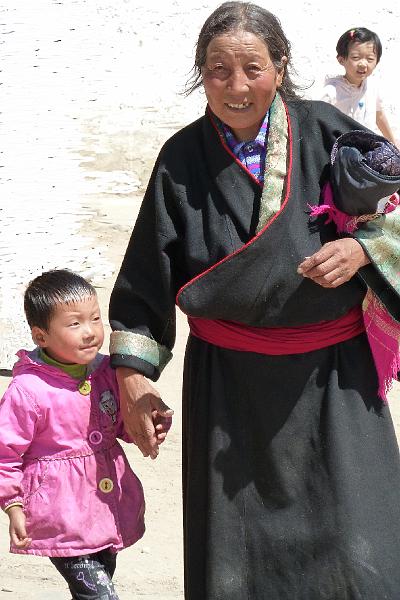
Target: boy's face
(75, 333)
(360, 62)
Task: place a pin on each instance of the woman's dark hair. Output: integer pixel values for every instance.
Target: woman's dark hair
(49, 290)
(361, 35)
(245, 16)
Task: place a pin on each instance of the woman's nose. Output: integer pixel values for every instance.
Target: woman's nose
(238, 81)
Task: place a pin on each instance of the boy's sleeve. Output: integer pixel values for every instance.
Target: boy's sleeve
(120, 431)
(18, 421)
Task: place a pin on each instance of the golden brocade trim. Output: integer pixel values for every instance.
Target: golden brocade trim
(275, 163)
(393, 332)
(374, 306)
(127, 343)
(381, 239)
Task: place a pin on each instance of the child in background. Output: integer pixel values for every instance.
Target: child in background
(359, 51)
(65, 482)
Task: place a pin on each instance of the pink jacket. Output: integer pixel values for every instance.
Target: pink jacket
(60, 457)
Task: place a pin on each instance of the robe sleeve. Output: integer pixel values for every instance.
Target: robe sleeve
(18, 421)
(142, 304)
(380, 239)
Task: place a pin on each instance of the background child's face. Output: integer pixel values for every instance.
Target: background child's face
(360, 62)
(75, 333)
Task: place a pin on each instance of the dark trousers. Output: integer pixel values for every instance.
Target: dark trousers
(89, 577)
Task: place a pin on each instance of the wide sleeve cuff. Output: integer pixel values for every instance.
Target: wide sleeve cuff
(136, 351)
(5, 505)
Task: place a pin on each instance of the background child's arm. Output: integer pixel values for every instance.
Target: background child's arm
(384, 127)
(17, 529)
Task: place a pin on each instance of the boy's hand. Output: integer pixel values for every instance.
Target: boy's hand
(17, 528)
(161, 425)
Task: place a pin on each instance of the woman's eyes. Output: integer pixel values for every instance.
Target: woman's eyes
(224, 70)
(254, 68)
(218, 68)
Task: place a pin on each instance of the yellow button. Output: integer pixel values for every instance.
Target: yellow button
(106, 485)
(85, 387)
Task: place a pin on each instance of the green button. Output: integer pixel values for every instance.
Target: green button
(85, 387)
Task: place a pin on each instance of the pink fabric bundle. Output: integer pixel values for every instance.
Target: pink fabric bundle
(347, 223)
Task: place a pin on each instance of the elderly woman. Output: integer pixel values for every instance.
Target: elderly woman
(291, 471)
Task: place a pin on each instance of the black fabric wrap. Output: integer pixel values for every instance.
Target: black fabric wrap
(365, 169)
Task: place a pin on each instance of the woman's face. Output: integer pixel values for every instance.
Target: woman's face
(240, 81)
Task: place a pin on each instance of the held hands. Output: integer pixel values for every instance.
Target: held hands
(335, 263)
(147, 418)
(17, 527)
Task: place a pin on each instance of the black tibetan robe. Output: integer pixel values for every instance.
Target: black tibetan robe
(291, 471)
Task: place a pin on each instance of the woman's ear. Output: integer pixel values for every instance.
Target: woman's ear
(281, 72)
(39, 336)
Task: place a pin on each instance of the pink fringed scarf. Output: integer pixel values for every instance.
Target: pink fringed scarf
(382, 330)
(384, 339)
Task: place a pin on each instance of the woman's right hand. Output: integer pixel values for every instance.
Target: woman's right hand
(140, 403)
(17, 527)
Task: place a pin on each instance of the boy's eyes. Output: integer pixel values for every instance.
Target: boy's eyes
(370, 59)
(95, 319)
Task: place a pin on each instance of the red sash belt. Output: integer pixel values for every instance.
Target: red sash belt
(278, 340)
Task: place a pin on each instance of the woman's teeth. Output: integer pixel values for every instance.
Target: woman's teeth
(243, 105)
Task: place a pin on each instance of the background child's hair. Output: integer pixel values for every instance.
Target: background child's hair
(47, 291)
(361, 35)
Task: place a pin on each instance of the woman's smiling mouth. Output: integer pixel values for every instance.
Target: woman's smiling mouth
(238, 106)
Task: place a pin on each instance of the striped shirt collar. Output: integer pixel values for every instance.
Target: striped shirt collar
(235, 145)
(250, 153)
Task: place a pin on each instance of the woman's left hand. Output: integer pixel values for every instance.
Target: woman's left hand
(335, 263)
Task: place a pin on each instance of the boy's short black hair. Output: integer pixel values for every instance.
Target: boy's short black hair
(47, 291)
(361, 35)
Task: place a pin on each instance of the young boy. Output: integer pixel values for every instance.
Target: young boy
(65, 482)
